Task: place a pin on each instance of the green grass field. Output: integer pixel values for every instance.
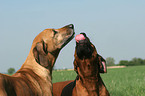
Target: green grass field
(129, 81)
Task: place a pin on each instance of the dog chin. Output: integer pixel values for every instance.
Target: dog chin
(66, 41)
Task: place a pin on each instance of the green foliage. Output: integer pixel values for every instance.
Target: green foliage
(123, 62)
(133, 62)
(127, 81)
(110, 61)
(11, 70)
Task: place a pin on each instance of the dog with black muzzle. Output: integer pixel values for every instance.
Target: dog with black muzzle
(88, 64)
(34, 77)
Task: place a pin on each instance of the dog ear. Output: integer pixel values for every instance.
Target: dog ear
(40, 54)
(102, 64)
(75, 66)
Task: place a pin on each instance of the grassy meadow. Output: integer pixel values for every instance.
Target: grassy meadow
(129, 81)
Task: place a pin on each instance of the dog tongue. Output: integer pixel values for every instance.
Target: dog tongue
(79, 37)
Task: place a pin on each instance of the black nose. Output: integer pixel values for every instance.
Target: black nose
(71, 26)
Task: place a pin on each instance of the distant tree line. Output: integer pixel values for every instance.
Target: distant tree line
(134, 62)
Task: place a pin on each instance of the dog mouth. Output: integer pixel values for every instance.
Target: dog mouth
(83, 46)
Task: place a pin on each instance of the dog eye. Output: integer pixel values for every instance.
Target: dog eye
(55, 32)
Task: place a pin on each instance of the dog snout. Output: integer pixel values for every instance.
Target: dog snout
(71, 26)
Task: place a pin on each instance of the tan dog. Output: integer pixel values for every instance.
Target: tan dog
(88, 64)
(34, 77)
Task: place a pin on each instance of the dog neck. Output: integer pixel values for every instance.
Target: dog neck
(31, 63)
(40, 71)
(47, 60)
(90, 84)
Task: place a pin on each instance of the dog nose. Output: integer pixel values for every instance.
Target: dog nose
(71, 26)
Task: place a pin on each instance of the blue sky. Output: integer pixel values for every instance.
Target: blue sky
(116, 28)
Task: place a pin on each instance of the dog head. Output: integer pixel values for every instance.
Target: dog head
(87, 61)
(47, 44)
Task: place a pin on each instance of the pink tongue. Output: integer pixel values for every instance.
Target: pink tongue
(79, 37)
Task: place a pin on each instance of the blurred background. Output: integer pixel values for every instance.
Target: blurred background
(116, 28)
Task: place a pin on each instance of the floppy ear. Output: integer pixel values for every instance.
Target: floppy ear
(40, 54)
(75, 66)
(102, 64)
